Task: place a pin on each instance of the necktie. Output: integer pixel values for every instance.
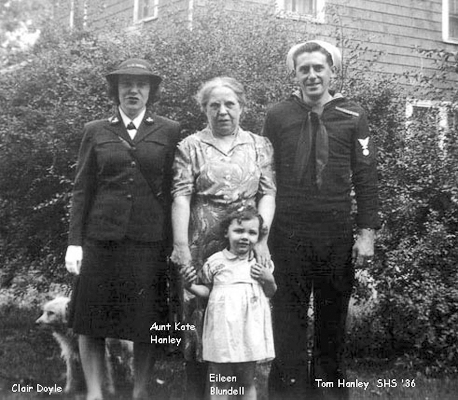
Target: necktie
(131, 126)
(312, 127)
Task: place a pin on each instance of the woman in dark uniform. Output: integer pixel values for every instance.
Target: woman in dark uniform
(118, 226)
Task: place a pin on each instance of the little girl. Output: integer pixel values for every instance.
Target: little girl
(237, 328)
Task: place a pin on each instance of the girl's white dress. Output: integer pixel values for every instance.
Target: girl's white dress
(237, 323)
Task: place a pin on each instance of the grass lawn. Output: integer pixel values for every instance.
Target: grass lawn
(29, 356)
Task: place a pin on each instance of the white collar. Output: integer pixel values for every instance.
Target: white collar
(137, 120)
(231, 256)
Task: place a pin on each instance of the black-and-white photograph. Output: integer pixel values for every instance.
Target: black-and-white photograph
(229, 199)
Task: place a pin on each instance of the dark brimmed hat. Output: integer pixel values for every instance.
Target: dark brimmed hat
(134, 66)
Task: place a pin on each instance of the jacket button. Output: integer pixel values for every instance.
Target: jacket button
(129, 196)
(131, 180)
(133, 164)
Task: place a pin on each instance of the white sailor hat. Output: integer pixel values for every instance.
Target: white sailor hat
(330, 48)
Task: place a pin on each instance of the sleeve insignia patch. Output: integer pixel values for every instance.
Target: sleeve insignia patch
(113, 120)
(364, 145)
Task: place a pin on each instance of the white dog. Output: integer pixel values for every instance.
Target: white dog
(55, 317)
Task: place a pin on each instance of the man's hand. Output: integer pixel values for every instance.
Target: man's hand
(73, 259)
(363, 249)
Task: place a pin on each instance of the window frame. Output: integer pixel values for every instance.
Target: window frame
(319, 17)
(138, 20)
(442, 108)
(73, 11)
(446, 23)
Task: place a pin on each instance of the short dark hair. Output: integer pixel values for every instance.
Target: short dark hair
(309, 48)
(245, 213)
(113, 91)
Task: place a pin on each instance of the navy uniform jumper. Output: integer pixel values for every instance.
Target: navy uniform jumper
(312, 234)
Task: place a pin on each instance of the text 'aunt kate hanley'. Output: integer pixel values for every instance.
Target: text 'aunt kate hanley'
(177, 327)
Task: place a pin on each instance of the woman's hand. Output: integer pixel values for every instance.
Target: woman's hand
(73, 259)
(181, 255)
(262, 253)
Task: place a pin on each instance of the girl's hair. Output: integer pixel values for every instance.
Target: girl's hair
(205, 90)
(244, 214)
(154, 91)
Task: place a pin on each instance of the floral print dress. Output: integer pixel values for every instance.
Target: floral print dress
(217, 182)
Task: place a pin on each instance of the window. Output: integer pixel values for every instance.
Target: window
(441, 114)
(301, 9)
(78, 13)
(145, 10)
(72, 14)
(450, 21)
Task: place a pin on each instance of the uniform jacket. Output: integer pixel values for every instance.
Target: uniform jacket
(351, 163)
(111, 198)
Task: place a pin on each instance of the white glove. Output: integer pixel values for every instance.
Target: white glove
(73, 259)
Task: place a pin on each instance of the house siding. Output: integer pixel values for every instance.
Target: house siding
(393, 29)
(397, 26)
(398, 29)
(119, 12)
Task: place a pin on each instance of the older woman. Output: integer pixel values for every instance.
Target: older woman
(117, 225)
(220, 168)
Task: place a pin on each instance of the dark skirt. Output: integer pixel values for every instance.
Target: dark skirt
(121, 290)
